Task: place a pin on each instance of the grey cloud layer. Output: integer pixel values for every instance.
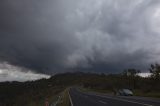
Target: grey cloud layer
(57, 35)
(14, 73)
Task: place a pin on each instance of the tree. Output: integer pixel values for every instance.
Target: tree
(131, 72)
(131, 76)
(155, 71)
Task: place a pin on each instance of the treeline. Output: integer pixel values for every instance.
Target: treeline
(148, 86)
(34, 93)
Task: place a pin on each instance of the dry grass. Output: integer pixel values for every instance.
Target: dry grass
(65, 101)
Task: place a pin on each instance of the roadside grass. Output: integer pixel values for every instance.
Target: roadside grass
(65, 101)
(147, 94)
(39, 97)
(101, 91)
(95, 90)
(54, 100)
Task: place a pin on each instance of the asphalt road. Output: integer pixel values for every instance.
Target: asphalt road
(79, 98)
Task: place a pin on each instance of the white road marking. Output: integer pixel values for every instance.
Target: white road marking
(70, 98)
(124, 100)
(141, 98)
(120, 99)
(102, 102)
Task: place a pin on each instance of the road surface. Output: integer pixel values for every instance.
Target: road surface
(79, 98)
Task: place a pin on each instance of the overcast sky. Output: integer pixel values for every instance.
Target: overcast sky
(53, 36)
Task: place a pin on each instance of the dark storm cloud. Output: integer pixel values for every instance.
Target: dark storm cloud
(33, 34)
(50, 36)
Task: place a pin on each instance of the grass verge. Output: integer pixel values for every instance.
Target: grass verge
(65, 101)
(95, 90)
(147, 94)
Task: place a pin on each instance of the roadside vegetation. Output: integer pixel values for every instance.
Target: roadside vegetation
(35, 93)
(129, 79)
(65, 101)
(28, 93)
